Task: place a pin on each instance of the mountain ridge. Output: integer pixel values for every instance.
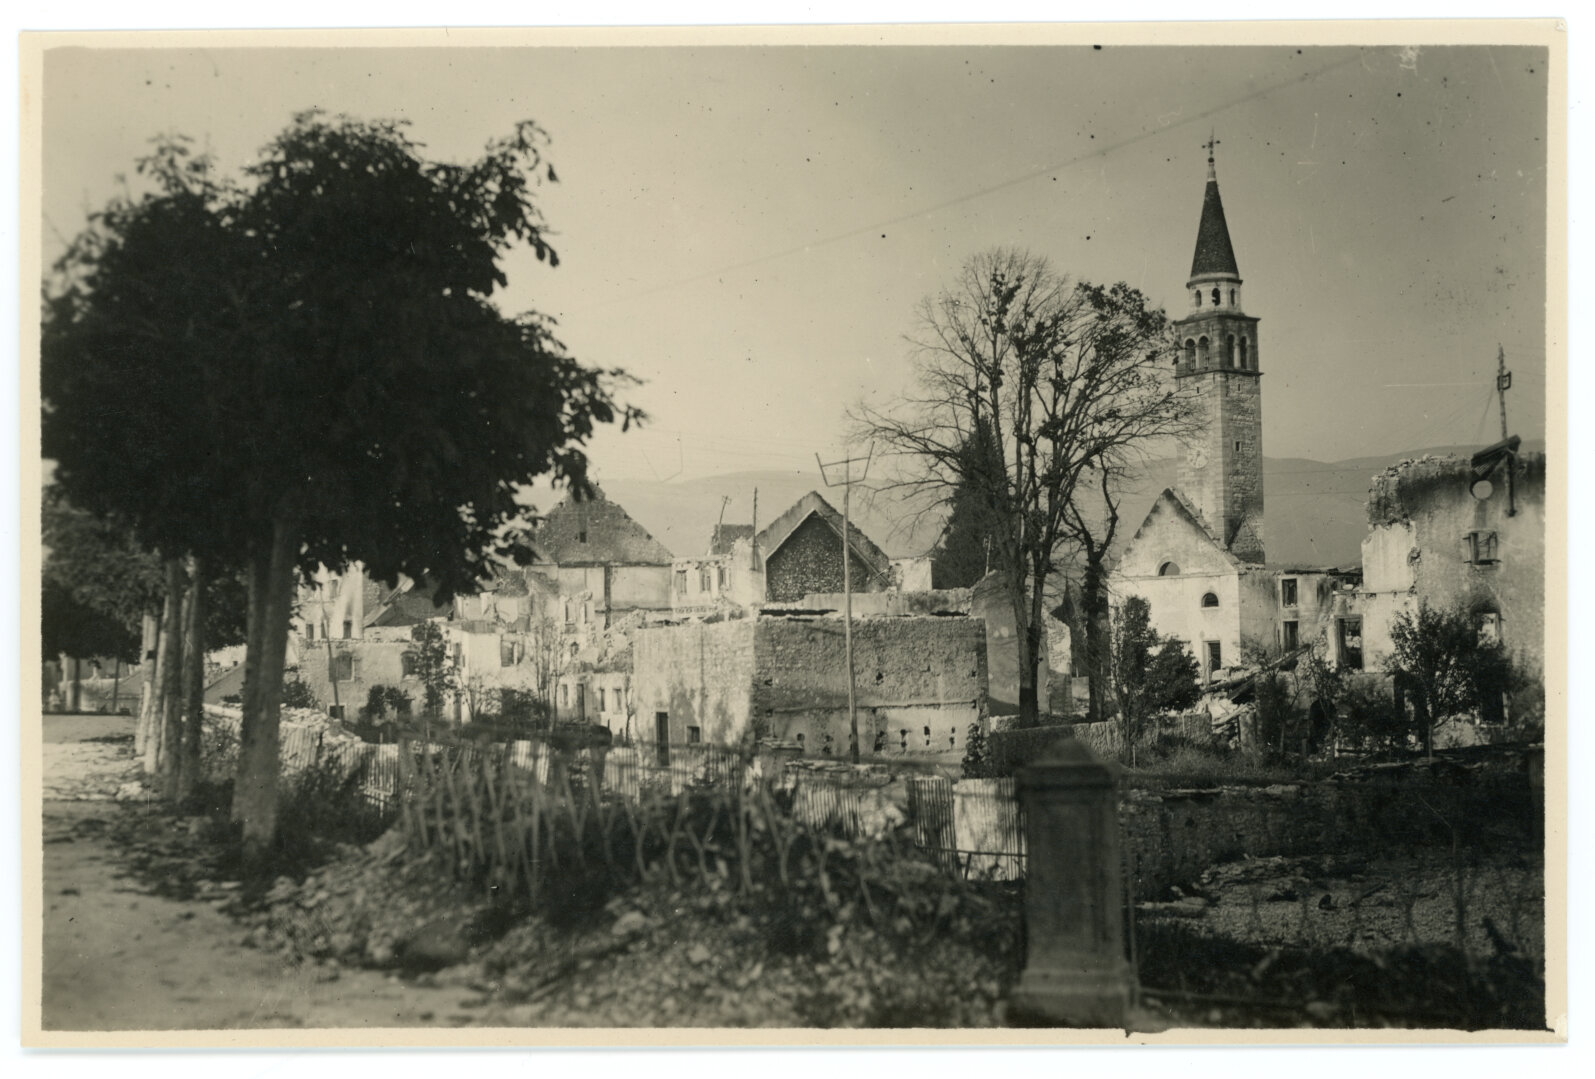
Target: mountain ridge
(1315, 511)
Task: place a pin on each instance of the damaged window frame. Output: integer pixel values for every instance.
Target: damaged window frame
(1482, 546)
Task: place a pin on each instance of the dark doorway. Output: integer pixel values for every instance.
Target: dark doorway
(662, 735)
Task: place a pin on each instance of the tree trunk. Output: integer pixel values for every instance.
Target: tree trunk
(259, 570)
(189, 764)
(1025, 647)
(149, 642)
(165, 641)
(1094, 605)
(255, 793)
(169, 755)
(77, 685)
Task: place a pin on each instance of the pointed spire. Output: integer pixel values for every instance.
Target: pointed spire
(1214, 255)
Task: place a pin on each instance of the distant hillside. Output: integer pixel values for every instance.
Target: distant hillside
(1315, 510)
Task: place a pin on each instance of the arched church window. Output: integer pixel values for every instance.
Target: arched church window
(1229, 351)
(1232, 297)
(1201, 351)
(1190, 351)
(1169, 569)
(1243, 354)
(1215, 297)
(1209, 599)
(1198, 295)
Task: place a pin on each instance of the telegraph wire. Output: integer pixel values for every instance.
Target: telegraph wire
(1035, 174)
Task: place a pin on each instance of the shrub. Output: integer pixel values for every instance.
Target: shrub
(297, 694)
(975, 763)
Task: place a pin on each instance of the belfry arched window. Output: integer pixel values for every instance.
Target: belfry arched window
(1201, 352)
(1232, 297)
(1244, 360)
(1209, 599)
(1229, 351)
(1190, 352)
(1216, 295)
(1198, 295)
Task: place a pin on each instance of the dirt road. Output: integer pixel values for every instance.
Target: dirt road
(119, 958)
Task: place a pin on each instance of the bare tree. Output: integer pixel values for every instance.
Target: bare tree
(1067, 378)
(547, 657)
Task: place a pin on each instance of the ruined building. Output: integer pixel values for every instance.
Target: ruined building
(1457, 533)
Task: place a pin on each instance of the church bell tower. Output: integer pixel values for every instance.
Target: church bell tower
(1221, 464)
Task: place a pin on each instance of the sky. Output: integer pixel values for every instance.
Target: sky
(748, 230)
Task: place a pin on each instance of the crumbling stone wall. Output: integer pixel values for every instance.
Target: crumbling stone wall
(373, 663)
(1174, 835)
(699, 675)
(912, 675)
(811, 561)
(1420, 514)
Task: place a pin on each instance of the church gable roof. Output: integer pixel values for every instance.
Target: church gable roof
(1174, 531)
(811, 505)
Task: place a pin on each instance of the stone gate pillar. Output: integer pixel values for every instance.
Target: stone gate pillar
(1075, 971)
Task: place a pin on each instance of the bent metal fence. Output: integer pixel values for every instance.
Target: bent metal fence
(584, 825)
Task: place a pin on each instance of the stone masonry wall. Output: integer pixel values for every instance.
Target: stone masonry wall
(913, 675)
(698, 675)
(1174, 835)
(1228, 488)
(811, 561)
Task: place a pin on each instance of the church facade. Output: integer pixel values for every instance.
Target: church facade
(1198, 559)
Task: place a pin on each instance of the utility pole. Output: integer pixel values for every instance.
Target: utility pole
(1503, 382)
(846, 483)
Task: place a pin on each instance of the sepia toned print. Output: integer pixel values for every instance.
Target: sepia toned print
(1020, 538)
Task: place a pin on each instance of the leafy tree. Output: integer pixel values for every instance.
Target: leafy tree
(297, 693)
(1150, 673)
(964, 555)
(1281, 721)
(1068, 377)
(1367, 714)
(434, 667)
(1445, 665)
(306, 367)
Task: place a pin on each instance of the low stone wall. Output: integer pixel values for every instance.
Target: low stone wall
(1172, 836)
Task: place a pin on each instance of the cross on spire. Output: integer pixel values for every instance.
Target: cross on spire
(1212, 141)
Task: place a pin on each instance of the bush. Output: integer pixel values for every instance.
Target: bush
(297, 694)
(975, 763)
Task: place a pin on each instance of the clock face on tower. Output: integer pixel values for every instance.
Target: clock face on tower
(1198, 457)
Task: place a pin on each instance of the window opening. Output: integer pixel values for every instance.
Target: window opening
(1290, 637)
(1287, 592)
(1482, 547)
(1210, 599)
(1350, 630)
